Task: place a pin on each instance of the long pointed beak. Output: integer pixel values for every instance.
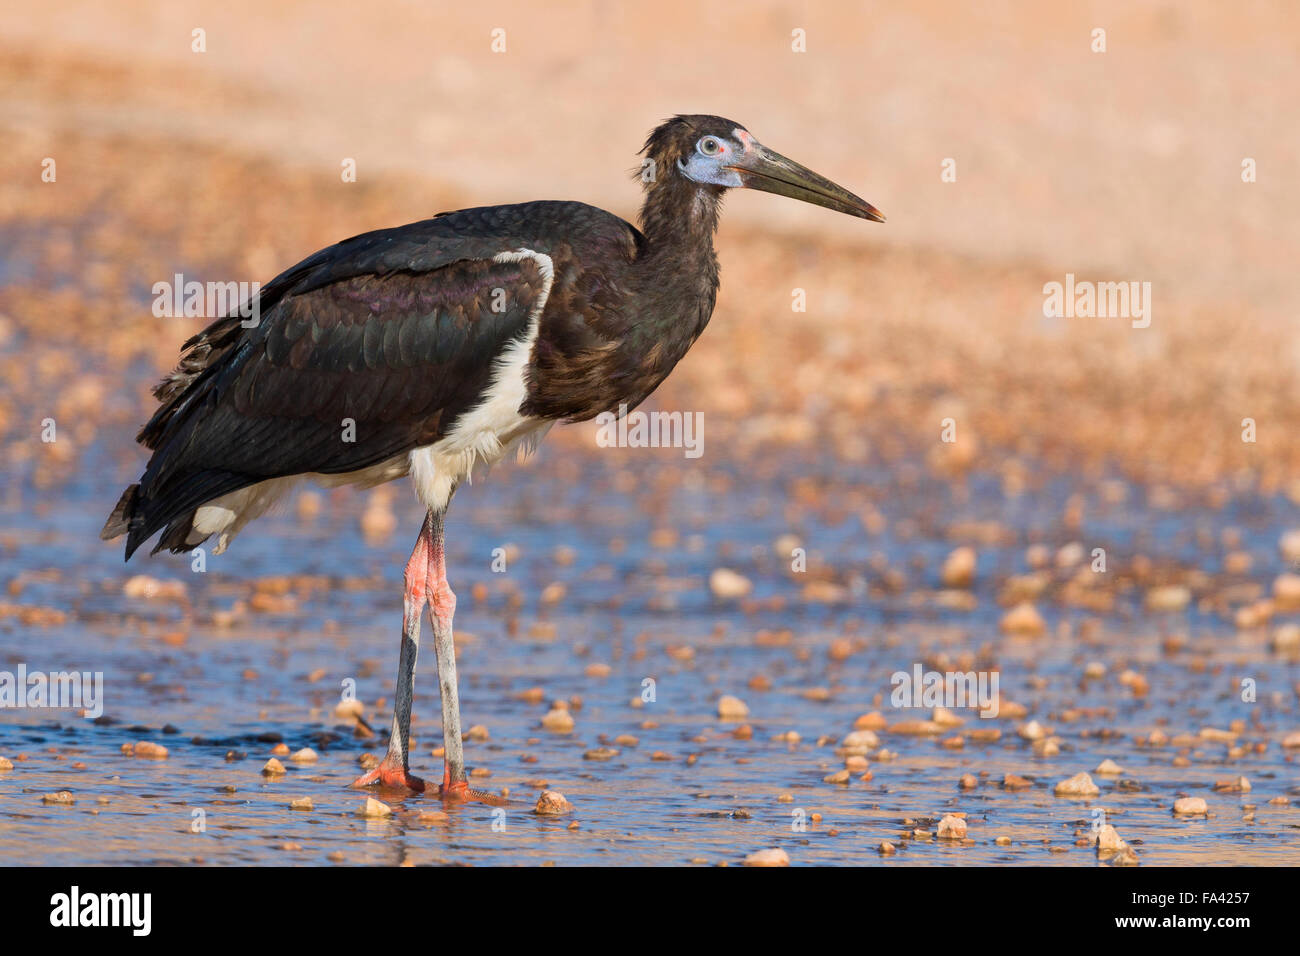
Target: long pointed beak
(765, 169)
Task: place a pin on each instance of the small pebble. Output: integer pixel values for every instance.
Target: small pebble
(146, 750)
(1080, 785)
(552, 803)
(775, 857)
(732, 708)
(1233, 785)
(959, 568)
(558, 720)
(725, 583)
(952, 827)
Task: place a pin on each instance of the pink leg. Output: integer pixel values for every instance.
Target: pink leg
(442, 608)
(393, 771)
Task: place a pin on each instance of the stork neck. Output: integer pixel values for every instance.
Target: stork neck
(679, 217)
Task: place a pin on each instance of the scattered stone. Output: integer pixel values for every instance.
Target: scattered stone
(146, 750)
(1191, 806)
(1125, 856)
(871, 721)
(373, 809)
(886, 848)
(1286, 639)
(952, 827)
(1107, 839)
(552, 803)
(946, 718)
(1010, 710)
(1218, 736)
(6, 764)
(1239, 785)
(775, 857)
(558, 720)
(273, 768)
(1289, 545)
(1169, 597)
(601, 753)
(145, 588)
(1047, 747)
(1108, 767)
(959, 568)
(916, 728)
(732, 708)
(349, 709)
(727, 584)
(301, 803)
(62, 798)
(840, 776)
(1286, 592)
(1080, 785)
(1137, 684)
(1032, 731)
(305, 755)
(968, 781)
(859, 742)
(1012, 782)
(1023, 620)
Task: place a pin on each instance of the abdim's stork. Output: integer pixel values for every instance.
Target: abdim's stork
(444, 343)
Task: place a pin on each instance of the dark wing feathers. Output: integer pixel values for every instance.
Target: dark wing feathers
(394, 329)
(394, 351)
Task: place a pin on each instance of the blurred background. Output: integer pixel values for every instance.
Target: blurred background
(823, 427)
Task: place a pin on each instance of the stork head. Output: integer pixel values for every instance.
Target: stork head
(717, 152)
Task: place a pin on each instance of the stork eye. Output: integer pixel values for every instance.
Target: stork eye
(710, 146)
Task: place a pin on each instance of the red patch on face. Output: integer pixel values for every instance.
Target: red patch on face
(745, 138)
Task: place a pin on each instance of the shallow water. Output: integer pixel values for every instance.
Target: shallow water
(633, 600)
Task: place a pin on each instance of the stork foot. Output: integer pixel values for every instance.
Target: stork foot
(390, 777)
(458, 791)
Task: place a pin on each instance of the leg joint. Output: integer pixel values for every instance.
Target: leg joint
(443, 601)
